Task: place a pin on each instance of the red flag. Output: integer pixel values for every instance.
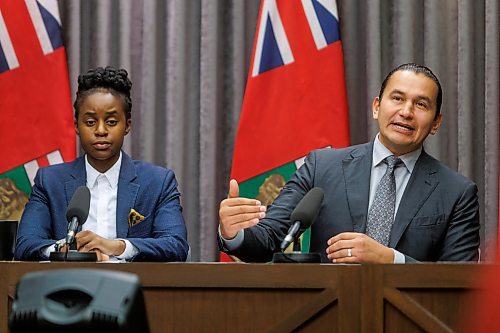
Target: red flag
(295, 99)
(35, 103)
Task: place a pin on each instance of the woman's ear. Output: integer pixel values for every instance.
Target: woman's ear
(128, 126)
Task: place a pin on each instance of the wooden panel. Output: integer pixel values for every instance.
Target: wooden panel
(235, 297)
(426, 298)
(395, 321)
(371, 300)
(414, 311)
(449, 275)
(213, 297)
(225, 310)
(4, 299)
(444, 303)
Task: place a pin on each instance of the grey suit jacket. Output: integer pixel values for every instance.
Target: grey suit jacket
(437, 219)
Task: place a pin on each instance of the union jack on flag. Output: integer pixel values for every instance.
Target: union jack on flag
(272, 46)
(44, 15)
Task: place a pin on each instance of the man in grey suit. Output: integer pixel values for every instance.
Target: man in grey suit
(386, 201)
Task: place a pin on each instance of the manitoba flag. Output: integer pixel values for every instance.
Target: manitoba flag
(35, 104)
(295, 100)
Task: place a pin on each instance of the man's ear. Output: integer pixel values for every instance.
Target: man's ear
(375, 107)
(76, 128)
(128, 126)
(436, 124)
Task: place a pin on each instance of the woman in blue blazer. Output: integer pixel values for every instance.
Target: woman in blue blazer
(135, 212)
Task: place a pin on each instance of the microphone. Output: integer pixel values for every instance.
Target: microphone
(304, 214)
(77, 213)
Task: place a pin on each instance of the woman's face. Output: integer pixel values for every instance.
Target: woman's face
(101, 126)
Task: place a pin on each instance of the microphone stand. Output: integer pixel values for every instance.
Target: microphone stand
(72, 255)
(296, 257)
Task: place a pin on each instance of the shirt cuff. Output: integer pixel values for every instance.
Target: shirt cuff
(48, 249)
(399, 258)
(129, 252)
(232, 244)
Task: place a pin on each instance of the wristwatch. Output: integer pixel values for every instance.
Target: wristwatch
(59, 244)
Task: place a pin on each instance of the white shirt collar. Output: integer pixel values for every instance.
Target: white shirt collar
(112, 174)
(380, 152)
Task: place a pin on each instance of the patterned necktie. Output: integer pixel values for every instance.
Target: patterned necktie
(381, 214)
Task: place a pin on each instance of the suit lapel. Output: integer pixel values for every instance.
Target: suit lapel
(78, 177)
(127, 194)
(357, 170)
(420, 186)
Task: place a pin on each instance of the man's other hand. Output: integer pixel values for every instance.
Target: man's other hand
(353, 247)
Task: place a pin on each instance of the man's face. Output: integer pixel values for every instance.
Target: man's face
(102, 125)
(406, 112)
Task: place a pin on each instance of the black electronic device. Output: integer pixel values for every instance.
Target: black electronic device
(77, 301)
(8, 233)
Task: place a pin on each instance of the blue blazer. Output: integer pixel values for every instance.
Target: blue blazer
(150, 190)
(437, 218)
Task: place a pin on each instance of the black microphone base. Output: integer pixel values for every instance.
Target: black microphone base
(296, 257)
(73, 256)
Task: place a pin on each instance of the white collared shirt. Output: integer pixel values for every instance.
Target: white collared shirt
(102, 214)
(103, 192)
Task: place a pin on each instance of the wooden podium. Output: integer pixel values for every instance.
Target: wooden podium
(217, 297)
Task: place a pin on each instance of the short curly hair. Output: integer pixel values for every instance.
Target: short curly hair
(110, 79)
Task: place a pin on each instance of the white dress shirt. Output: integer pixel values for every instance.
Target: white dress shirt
(401, 174)
(102, 214)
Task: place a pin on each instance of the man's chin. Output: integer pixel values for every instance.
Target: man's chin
(400, 147)
(403, 149)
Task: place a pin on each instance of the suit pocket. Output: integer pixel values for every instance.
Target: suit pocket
(141, 229)
(427, 221)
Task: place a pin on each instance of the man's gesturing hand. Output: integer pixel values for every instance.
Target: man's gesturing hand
(237, 213)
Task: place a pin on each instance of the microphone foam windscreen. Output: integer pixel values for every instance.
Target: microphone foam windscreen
(79, 205)
(308, 208)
